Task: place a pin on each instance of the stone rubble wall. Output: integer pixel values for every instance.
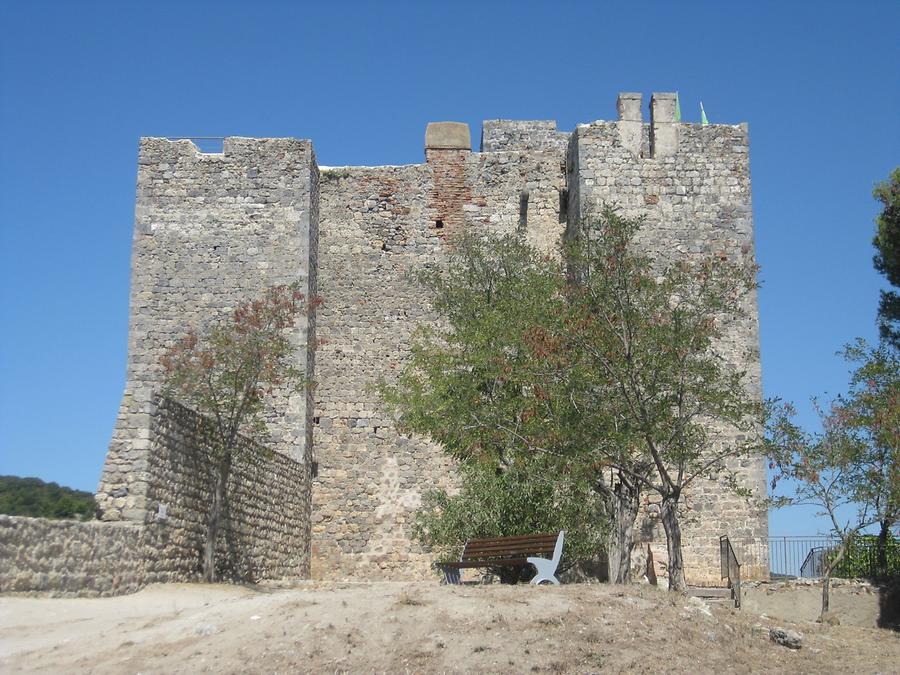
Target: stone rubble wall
(211, 230)
(264, 533)
(695, 196)
(265, 530)
(505, 135)
(68, 557)
(378, 228)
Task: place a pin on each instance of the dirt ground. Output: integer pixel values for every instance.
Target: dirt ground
(852, 604)
(424, 627)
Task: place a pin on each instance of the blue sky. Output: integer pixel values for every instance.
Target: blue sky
(80, 82)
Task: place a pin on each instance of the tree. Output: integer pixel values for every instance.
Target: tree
(600, 359)
(849, 469)
(817, 469)
(869, 417)
(527, 498)
(33, 497)
(228, 375)
(495, 394)
(652, 333)
(887, 256)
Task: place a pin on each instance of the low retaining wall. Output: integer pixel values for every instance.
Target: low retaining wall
(264, 534)
(68, 557)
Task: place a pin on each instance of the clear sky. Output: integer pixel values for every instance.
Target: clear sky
(80, 82)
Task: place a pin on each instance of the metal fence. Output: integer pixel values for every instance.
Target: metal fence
(791, 557)
(809, 557)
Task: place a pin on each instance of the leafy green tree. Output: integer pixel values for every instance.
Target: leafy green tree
(887, 256)
(228, 375)
(529, 497)
(817, 469)
(601, 359)
(492, 388)
(869, 418)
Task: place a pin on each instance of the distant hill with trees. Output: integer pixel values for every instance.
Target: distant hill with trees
(33, 497)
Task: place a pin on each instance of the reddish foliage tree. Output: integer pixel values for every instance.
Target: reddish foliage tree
(229, 373)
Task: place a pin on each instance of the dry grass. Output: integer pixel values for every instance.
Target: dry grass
(419, 627)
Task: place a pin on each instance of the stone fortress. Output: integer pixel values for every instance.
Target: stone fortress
(338, 500)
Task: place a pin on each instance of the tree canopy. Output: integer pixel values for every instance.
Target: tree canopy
(601, 359)
(849, 469)
(33, 497)
(887, 255)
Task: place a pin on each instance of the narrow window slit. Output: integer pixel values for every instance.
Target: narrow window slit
(523, 210)
(563, 205)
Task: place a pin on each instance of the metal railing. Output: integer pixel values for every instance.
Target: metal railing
(731, 568)
(792, 557)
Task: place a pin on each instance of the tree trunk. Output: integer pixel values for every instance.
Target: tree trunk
(826, 580)
(669, 518)
(215, 517)
(881, 564)
(623, 502)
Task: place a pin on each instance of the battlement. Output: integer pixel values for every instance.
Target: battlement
(536, 135)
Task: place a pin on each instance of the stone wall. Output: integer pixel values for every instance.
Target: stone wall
(379, 226)
(264, 534)
(210, 231)
(66, 557)
(265, 529)
(503, 135)
(377, 229)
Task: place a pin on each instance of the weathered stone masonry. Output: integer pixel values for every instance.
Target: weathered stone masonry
(211, 229)
(264, 532)
(378, 224)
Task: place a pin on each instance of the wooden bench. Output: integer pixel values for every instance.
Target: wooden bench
(510, 552)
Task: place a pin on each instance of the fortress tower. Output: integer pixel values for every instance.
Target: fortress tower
(211, 229)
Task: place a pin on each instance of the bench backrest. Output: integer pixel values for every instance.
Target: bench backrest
(500, 548)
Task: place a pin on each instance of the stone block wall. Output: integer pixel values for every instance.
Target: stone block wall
(379, 226)
(67, 557)
(264, 534)
(504, 135)
(265, 530)
(377, 230)
(210, 231)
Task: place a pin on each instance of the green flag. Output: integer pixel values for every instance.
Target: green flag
(677, 108)
(703, 119)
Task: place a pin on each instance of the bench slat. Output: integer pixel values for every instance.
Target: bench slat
(494, 562)
(509, 552)
(518, 553)
(513, 540)
(499, 549)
